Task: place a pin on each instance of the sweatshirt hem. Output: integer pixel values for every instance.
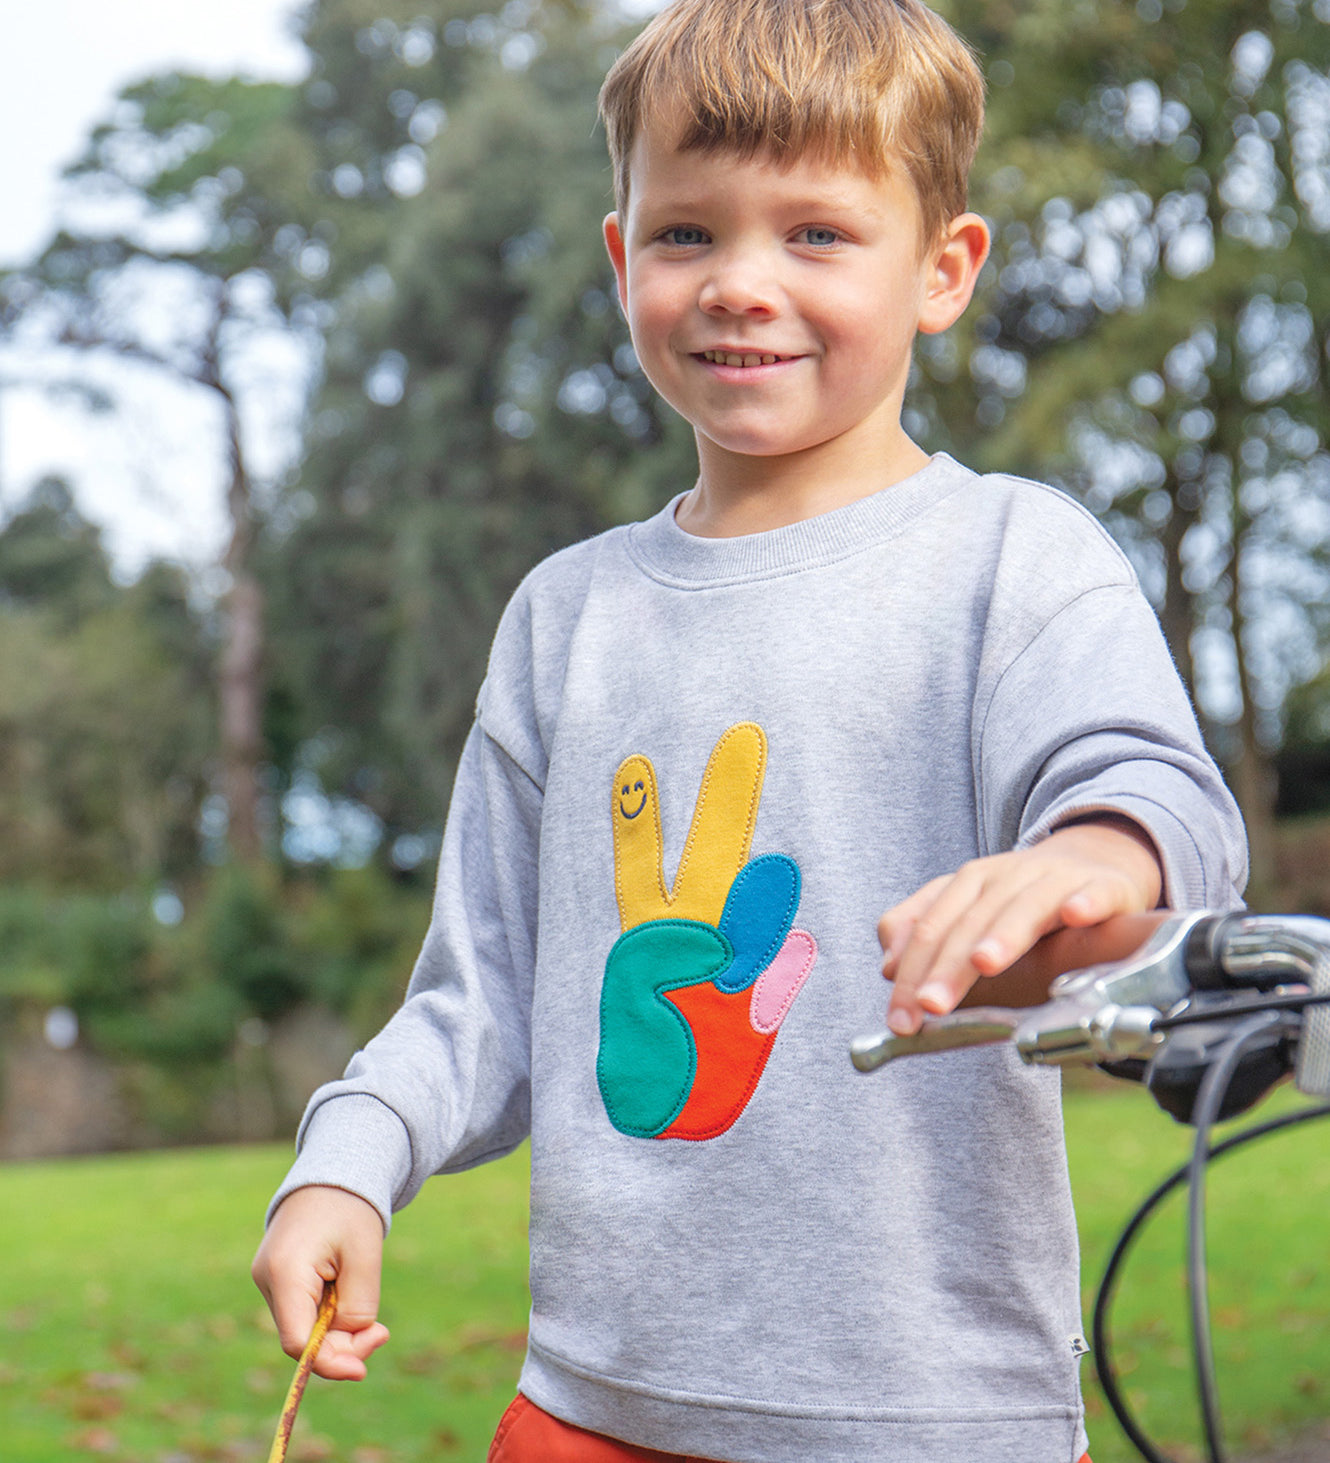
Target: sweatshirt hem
(753, 1430)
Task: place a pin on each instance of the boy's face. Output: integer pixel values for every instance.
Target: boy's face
(775, 307)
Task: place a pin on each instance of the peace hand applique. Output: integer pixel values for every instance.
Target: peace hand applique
(706, 970)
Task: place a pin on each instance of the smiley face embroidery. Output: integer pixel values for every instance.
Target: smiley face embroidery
(626, 795)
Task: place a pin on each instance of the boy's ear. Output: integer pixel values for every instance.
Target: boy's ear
(618, 256)
(957, 259)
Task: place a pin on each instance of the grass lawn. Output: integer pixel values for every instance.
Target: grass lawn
(1269, 1272)
(131, 1331)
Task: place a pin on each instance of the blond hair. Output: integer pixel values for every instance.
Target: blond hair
(858, 82)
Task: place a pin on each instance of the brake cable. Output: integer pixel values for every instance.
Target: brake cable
(1100, 1333)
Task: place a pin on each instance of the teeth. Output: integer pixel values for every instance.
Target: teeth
(732, 358)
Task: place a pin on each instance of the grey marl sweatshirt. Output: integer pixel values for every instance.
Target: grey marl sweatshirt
(700, 770)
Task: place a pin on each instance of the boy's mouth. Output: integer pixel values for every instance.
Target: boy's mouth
(742, 358)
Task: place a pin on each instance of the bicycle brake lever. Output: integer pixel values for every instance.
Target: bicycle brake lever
(1106, 1013)
(975, 1026)
(1101, 1013)
(1293, 947)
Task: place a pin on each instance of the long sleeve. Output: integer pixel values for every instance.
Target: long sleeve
(1089, 715)
(446, 1084)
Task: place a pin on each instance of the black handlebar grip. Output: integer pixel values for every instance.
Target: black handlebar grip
(1203, 953)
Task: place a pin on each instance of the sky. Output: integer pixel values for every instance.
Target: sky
(150, 473)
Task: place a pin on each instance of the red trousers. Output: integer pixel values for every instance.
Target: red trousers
(527, 1434)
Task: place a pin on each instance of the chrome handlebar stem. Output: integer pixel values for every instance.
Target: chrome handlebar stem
(1297, 946)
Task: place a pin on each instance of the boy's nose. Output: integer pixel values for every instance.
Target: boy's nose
(739, 285)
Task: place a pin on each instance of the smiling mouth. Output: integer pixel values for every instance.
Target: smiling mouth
(745, 358)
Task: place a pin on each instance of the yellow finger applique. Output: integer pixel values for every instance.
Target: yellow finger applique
(719, 838)
(639, 876)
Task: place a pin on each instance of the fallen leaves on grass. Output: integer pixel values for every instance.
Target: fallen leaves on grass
(262, 1380)
(313, 1448)
(429, 1360)
(95, 1440)
(91, 1396)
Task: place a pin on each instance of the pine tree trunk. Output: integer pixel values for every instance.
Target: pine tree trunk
(1252, 773)
(241, 666)
(1177, 615)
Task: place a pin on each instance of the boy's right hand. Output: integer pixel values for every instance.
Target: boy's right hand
(320, 1234)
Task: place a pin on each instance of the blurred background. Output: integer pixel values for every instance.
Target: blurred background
(308, 351)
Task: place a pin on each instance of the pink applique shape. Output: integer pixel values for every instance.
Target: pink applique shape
(782, 980)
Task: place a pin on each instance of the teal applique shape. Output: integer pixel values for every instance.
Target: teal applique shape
(647, 1056)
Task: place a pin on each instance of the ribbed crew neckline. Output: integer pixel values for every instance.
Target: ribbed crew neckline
(671, 555)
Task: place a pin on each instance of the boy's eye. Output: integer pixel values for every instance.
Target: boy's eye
(818, 236)
(685, 235)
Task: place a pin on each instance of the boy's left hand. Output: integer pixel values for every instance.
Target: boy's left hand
(979, 920)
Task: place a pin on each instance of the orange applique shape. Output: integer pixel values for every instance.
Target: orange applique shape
(730, 1059)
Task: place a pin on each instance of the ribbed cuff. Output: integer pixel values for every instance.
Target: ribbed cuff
(1179, 858)
(352, 1135)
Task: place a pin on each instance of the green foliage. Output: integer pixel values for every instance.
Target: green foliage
(247, 944)
(180, 1029)
(177, 1007)
(103, 945)
(104, 708)
(360, 932)
(479, 407)
(84, 951)
(51, 556)
(228, 153)
(33, 967)
(211, 180)
(425, 209)
(1152, 332)
(1153, 326)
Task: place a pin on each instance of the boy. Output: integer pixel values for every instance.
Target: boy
(834, 675)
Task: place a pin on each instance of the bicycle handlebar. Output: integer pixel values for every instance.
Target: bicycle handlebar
(1153, 998)
(1120, 979)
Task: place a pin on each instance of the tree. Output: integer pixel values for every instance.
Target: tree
(104, 708)
(206, 181)
(1154, 330)
(51, 555)
(480, 404)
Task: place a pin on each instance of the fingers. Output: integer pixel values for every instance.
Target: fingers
(980, 920)
(356, 1331)
(320, 1234)
(639, 881)
(719, 837)
(974, 923)
(721, 834)
(343, 1355)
